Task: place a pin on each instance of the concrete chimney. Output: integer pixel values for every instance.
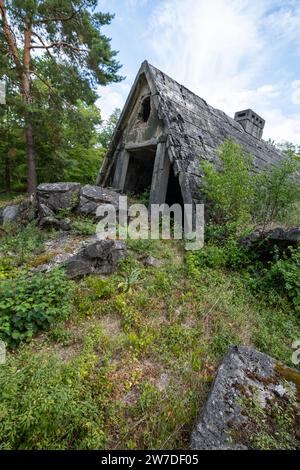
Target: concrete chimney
(251, 122)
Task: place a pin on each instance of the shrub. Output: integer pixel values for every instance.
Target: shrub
(228, 254)
(31, 302)
(99, 288)
(83, 227)
(230, 190)
(277, 193)
(22, 244)
(284, 274)
(238, 196)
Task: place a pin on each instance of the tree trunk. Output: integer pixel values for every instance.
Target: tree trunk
(24, 74)
(31, 168)
(7, 174)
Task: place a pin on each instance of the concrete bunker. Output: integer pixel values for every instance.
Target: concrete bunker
(164, 134)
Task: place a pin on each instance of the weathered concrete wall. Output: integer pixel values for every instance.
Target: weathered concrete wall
(192, 130)
(136, 130)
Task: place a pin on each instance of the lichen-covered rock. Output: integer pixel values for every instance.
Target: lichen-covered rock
(93, 196)
(99, 257)
(245, 376)
(57, 196)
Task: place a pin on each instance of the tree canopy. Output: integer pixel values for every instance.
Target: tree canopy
(53, 55)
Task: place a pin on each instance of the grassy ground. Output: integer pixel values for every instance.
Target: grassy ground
(11, 198)
(132, 365)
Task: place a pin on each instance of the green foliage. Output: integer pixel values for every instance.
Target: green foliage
(176, 338)
(284, 275)
(238, 196)
(222, 339)
(140, 385)
(83, 227)
(20, 245)
(69, 149)
(69, 57)
(226, 254)
(144, 198)
(272, 427)
(7, 267)
(276, 326)
(99, 288)
(131, 278)
(48, 404)
(230, 190)
(10, 198)
(32, 302)
(107, 128)
(276, 192)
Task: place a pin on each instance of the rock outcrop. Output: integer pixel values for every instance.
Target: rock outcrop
(93, 196)
(245, 374)
(23, 212)
(58, 196)
(99, 257)
(50, 222)
(264, 243)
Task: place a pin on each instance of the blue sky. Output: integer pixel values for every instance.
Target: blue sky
(235, 54)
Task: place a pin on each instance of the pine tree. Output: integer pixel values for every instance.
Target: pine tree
(77, 56)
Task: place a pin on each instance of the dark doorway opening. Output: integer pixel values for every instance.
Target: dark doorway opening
(140, 170)
(174, 195)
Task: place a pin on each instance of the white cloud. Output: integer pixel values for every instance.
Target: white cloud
(296, 92)
(221, 50)
(112, 97)
(235, 54)
(136, 3)
(284, 24)
(282, 127)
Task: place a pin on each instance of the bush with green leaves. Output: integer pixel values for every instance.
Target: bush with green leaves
(231, 190)
(237, 196)
(30, 302)
(20, 246)
(84, 227)
(277, 191)
(226, 254)
(284, 275)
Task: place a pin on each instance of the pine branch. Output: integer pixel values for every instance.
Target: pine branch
(10, 37)
(59, 18)
(59, 44)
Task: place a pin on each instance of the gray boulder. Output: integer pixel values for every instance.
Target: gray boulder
(93, 196)
(150, 261)
(243, 373)
(17, 213)
(52, 222)
(45, 211)
(56, 196)
(264, 243)
(99, 257)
